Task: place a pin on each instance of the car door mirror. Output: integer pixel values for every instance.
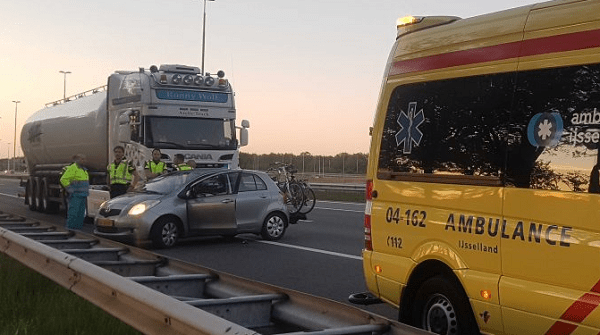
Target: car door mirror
(186, 194)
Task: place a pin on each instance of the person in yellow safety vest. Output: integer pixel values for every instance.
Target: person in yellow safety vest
(76, 181)
(179, 165)
(155, 167)
(120, 174)
(191, 163)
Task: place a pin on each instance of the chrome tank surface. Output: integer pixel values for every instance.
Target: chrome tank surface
(54, 134)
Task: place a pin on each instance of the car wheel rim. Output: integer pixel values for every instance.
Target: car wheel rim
(275, 226)
(440, 316)
(169, 233)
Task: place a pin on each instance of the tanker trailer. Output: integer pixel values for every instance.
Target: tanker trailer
(51, 137)
(174, 108)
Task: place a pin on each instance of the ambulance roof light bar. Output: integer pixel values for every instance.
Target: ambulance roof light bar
(409, 24)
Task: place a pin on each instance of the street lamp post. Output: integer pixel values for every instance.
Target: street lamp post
(65, 83)
(8, 157)
(204, 34)
(15, 138)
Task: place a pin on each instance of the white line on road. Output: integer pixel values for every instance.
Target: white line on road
(331, 253)
(340, 209)
(342, 202)
(10, 195)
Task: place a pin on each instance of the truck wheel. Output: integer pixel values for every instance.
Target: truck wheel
(165, 232)
(274, 227)
(48, 206)
(30, 194)
(442, 309)
(37, 194)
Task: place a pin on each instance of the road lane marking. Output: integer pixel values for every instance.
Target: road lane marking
(340, 209)
(342, 202)
(10, 195)
(325, 252)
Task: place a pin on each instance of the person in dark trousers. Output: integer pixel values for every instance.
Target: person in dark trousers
(122, 175)
(76, 181)
(155, 167)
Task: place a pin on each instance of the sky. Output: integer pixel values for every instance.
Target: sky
(306, 73)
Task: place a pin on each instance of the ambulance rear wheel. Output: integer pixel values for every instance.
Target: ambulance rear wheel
(441, 308)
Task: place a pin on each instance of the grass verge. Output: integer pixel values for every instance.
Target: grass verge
(33, 304)
(339, 196)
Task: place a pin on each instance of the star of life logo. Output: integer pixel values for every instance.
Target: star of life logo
(545, 129)
(409, 133)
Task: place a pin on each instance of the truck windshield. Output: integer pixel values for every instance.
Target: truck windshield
(189, 133)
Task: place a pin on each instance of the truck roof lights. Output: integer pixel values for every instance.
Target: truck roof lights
(176, 79)
(198, 80)
(222, 82)
(188, 79)
(209, 81)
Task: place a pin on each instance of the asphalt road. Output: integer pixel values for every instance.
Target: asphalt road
(320, 256)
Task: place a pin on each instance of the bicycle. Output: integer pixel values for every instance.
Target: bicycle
(309, 199)
(292, 191)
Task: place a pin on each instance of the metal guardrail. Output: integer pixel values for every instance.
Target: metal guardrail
(158, 295)
(338, 187)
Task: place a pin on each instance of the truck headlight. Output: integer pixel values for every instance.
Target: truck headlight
(142, 207)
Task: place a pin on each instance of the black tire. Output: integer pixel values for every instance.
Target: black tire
(48, 206)
(43, 194)
(295, 198)
(165, 232)
(442, 308)
(309, 201)
(30, 194)
(37, 194)
(273, 227)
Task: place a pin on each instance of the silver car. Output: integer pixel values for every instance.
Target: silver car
(196, 202)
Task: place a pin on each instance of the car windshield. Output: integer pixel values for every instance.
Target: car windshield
(167, 183)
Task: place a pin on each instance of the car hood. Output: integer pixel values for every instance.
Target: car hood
(123, 201)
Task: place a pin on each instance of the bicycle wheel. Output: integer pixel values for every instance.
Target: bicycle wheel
(310, 199)
(295, 198)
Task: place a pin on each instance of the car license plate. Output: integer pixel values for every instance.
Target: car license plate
(105, 222)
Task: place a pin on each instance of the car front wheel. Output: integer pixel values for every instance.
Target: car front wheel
(273, 227)
(165, 232)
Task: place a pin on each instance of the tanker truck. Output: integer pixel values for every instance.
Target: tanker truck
(174, 108)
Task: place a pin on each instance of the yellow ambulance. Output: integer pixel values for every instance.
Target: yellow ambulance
(483, 191)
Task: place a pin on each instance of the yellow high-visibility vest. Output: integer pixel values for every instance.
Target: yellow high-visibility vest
(121, 173)
(159, 167)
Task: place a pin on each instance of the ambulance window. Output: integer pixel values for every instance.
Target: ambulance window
(558, 113)
(449, 131)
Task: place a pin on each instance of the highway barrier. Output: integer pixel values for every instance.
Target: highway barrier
(159, 295)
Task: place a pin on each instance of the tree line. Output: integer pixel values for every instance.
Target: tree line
(342, 163)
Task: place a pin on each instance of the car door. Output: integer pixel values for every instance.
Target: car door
(252, 202)
(211, 205)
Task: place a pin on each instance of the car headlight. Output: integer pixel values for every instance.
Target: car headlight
(143, 207)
